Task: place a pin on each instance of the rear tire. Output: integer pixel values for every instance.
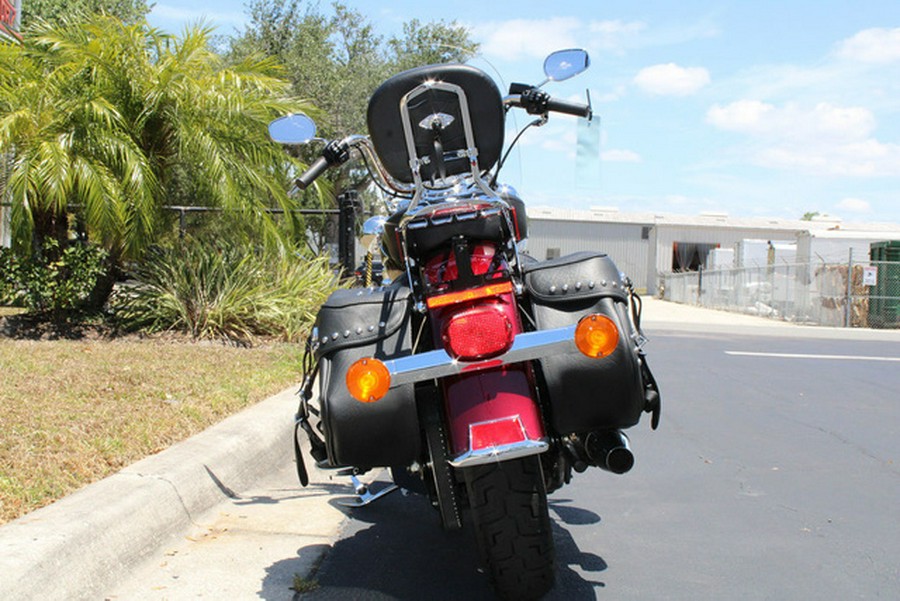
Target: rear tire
(512, 526)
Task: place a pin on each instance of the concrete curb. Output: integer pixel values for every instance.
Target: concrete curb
(82, 545)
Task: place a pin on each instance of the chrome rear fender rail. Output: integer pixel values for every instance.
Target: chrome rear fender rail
(435, 364)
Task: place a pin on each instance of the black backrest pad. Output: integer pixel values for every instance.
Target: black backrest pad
(485, 109)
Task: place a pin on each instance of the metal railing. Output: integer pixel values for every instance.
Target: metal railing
(810, 293)
(336, 234)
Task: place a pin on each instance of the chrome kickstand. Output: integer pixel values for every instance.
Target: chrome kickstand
(364, 495)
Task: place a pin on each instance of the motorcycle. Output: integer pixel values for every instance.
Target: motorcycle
(480, 377)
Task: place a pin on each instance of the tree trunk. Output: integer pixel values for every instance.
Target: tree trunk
(105, 283)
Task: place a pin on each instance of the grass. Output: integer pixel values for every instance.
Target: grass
(72, 412)
(302, 585)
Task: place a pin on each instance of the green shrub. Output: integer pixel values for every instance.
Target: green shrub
(52, 281)
(221, 291)
(9, 278)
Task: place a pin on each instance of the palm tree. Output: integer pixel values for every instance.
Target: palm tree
(99, 114)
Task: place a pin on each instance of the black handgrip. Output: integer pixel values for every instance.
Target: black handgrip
(336, 152)
(310, 175)
(569, 108)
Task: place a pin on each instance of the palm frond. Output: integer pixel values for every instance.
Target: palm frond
(99, 112)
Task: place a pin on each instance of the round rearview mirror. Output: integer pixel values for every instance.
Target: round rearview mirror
(563, 64)
(292, 129)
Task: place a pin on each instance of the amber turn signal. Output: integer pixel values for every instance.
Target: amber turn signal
(596, 335)
(368, 380)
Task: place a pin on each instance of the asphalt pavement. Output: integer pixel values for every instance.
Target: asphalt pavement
(140, 533)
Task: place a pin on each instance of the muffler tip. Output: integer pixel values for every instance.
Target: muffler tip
(610, 450)
(619, 460)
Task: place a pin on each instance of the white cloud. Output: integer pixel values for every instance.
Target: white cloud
(855, 205)
(793, 121)
(614, 36)
(620, 156)
(678, 200)
(878, 45)
(671, 79)
(833, 118)
(867, 159)
(212, 14)
(536, 38)
(616, 27)
(617, 93)
(823, 139)
(520, 38)
(748, 116)
(565, 143)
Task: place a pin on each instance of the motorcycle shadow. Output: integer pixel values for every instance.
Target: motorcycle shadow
(396, 549)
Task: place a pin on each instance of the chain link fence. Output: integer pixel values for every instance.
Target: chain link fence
(858, 293)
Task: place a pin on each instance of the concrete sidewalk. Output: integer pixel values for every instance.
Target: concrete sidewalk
(660, 315)
(89, 543)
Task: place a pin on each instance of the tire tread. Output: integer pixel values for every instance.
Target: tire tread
(509, 508)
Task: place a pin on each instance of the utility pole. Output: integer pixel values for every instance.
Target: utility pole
(348, 205)
(848, 300)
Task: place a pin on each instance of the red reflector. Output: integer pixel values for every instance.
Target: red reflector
(478, 333)
(495, 433)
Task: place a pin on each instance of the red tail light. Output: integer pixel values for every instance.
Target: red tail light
(478, 333)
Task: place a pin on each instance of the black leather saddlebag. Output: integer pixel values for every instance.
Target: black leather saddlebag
(353, 324)
(587, 394)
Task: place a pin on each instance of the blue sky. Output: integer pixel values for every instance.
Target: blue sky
(753, 109)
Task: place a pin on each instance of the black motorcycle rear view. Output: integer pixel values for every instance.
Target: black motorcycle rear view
(482, 378)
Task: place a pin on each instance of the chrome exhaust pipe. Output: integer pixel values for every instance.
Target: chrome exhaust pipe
(609, 450)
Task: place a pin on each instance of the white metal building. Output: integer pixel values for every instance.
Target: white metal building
(644, 245)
